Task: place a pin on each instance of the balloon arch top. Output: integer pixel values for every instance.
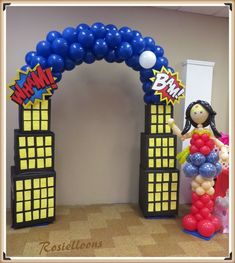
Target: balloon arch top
(63, 51)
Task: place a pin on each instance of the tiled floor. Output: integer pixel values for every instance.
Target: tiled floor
(110, 230)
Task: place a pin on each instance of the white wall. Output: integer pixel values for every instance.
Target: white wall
(98, 112)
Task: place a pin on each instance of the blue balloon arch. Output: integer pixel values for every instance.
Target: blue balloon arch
(63, 51)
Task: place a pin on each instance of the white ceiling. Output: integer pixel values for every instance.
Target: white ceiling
(220, 11)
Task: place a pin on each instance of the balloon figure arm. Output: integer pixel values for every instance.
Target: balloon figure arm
(224, 154)
(176, 130)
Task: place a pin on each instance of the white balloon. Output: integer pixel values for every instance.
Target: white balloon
(147, 59)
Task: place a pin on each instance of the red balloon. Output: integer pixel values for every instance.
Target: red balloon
(205, 137)
(205, 212)
(198, 217)
(199, 204)
(205, 150)
(205, 228)
(199, 143)
(196, 136)
(193, 149)
(205, 198)
(194, 209)
(195, 197)
(189, 222)
(209, 216)
(210, 205)
(210, 144)
(216, 222)
(192, 141)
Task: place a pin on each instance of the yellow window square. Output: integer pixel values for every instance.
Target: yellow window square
(157, 196)
(43, 203)
(158, 163)
(153, 109)
(174, 177)
(151, 142)
(36, 115)
(22, 142)
(160, 109)
(168, 109)
(48, 140)
(158, 142)
(19, 206)
(36, 183)
(51, 202)
(50, 181)
(27, 195)
(28, 216)
(165, 196)
(27, 126)
(164, 206)
(27, 184)
(36, 194)
(32, 164)
(44, 193)
(40, 152)
(39, 141)
(31, 152)
(167, 117)
(23, 165)
(43, 213)
(27, 205)
(150, 177)
(19, 196)
(173, 205)
(167, 128)
(48, 151)
(158, 152)
(171, 141)
(43, 182)
(27, 115)
(166, 177)
(159, 177)
(30, 141)
(51, 191)
(151, 163)
(164, 151)
(173, 186)
(153, 128)
(19, 217)
(36, 105)
(150, 152)
(153, 118)
(48, 162)
(165, 162)
(160, 118)
(35, 125)
(40, 163)
(173, 195)
(50, 212)
(150, 207)
(165, 186)
(44, 104)
(160, 128)
(19, 185)
(165, 142)
(150, 197)
(36, 204)
(171, 151)
(171, 163)
(158, 207)
(44, 125)
(44, 115)
(150, 187)
(158, 187)
(36, 215)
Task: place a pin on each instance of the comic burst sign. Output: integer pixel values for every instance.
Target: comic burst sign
(167, 85)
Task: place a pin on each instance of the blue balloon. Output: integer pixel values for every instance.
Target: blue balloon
(29, 56)
(56, 62)
(70, 35)
(25, 68)
(100, 48)
(207, 170)
(136, 33)
(147, 99)
(126, 33)
(218, 167)
(81, 27)
(76, 52)
(69, 64)
(38, 60)
(212, 157)
(138, 45)
(52, 35)
(86, 38)
(58, 76)
(147, 88)
(189, 158)
(137, 67)
(124, 51)
(110, 27)
(43, 49)
(60, 47)
(161, 61)
(190, 170)
(198, 159)
(159, 51)
(146, 74)
(171, 69)
(89, 58)
(155, 99)
(110, 56)
(98, 30)
(118, 59)
(113, 38)
(149, 43)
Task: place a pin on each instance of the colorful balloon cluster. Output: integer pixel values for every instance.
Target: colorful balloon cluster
(63, 51)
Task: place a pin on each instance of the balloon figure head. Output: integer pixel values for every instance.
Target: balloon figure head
(200, 113)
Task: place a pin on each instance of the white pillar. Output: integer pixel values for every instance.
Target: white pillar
(197, 77)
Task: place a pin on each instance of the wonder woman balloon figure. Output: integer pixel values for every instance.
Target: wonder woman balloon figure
(202, 165)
